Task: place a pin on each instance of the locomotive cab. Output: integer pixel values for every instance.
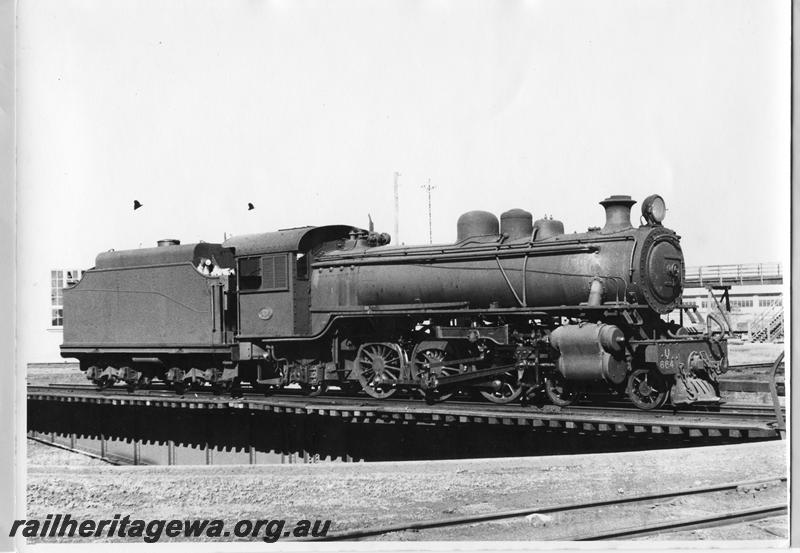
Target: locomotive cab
(273, 271)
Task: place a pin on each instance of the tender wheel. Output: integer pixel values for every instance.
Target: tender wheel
(236, 387)
(647, 389)
(131, 378)
(559, 391)
(219, 388)
(422, 359)
(507, 389)
(104, 382)
(378, 367)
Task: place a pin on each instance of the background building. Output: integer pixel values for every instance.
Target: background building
(755, 297)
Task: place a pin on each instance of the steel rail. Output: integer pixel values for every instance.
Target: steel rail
(724, 519)
(733, 412)
(514, 513)
(767, 365)
(726, 410)
(333, 393)
(743, 366)
(75, 450)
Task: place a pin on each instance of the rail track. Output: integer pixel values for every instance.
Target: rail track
(334, 398)
(751, 366)
(730, 422)
(699, 521)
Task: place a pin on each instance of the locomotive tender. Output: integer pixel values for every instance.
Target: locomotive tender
(512, 309)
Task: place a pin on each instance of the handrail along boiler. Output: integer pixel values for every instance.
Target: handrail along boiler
(513, 309)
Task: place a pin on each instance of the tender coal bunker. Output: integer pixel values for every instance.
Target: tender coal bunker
(323, 437)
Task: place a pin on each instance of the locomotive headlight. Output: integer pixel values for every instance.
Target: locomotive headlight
(654, 209)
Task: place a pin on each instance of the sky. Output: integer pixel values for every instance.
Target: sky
(307, 109)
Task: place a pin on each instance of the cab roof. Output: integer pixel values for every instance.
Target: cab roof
(286, 240)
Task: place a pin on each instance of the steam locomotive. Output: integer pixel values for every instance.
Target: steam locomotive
(513, 309)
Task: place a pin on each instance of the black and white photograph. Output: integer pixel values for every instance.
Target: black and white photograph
(481, 274)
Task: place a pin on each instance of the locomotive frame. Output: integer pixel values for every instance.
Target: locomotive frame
(519, 312)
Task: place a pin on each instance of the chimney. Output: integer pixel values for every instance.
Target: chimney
(618, 213)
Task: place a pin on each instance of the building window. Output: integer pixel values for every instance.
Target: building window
(742, 303)
(769, 302)
(60, 279)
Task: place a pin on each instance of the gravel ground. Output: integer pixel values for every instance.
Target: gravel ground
(370, 494)
(61, 373)
(740, 354)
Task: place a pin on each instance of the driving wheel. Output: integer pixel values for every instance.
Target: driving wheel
(378, 368)
(422, 361)
(507, 388)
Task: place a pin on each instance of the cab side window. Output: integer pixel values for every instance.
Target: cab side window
(250, 273)
(302, 266)
(275, 269)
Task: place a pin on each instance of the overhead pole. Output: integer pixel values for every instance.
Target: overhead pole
(428, 188)
(397, 207)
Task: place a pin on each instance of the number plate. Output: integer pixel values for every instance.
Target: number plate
(668, 358)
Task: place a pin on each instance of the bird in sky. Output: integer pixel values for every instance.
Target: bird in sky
(136, 205)
(250, 207)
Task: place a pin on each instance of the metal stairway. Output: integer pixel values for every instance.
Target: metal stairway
(768, 326)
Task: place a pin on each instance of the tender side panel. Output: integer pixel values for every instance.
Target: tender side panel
(162, 306)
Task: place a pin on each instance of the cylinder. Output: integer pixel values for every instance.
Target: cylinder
(611, 338)
(586, 352)
(477, 223)
(516, 224)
